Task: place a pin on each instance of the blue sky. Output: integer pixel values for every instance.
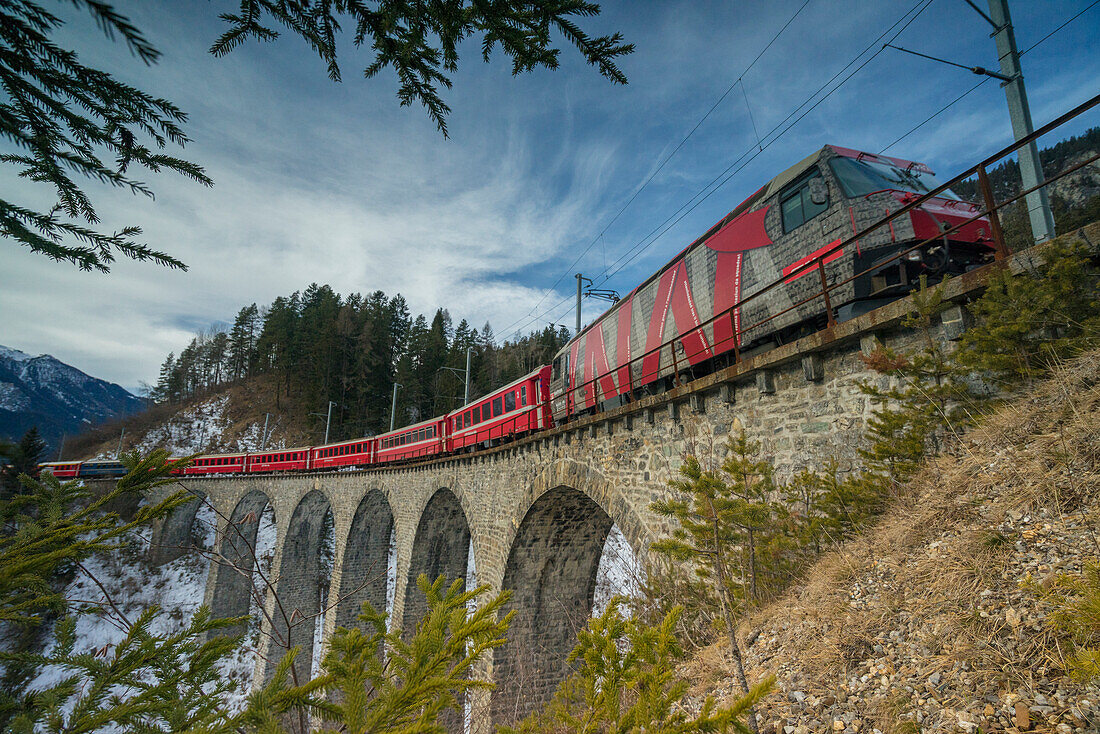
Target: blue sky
(335, 183)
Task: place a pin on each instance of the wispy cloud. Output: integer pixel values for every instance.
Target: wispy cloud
(336, 184)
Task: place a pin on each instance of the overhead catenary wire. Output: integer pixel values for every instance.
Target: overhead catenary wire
(664, 161)
(965, 94)
(774, 134)
(738, 165)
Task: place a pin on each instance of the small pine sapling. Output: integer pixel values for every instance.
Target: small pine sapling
(626, 681)
(1026, 323)
(725, 528)
(927, 400)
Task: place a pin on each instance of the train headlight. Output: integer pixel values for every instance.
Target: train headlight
(914, 256)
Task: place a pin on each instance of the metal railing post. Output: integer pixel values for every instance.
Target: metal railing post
(1000, 250)
(825, 292)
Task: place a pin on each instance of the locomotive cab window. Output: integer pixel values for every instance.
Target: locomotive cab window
(796, 203)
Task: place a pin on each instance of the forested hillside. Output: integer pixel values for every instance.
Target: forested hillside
(1074, 199)
(317, 346)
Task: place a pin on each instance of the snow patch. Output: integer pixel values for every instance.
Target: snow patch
(328, 557)
(14, 354)
(12, 398)
(619, 572)
(191, 431)
(177, 588)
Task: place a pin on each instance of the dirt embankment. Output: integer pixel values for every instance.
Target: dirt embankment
(934, 620)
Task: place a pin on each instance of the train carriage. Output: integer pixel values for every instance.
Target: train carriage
(102, 468)
(411, 442)
(515, 409)
(359, 452)
(209, 464)
(775, 235)
(296, 459)
(61, 469)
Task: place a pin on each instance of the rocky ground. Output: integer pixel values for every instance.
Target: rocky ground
(937, 619)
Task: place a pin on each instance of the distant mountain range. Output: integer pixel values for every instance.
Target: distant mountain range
(58, 398)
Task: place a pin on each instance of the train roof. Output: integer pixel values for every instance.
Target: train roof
(493, 392)
(412, 426)
(274, 451)
(773, 186)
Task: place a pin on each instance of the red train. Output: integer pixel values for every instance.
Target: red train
(511, 411)
(700, 311)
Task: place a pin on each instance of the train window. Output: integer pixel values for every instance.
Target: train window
(795, 203)
(497, 407)
(865, 176)
(509, 401)
(523, 395)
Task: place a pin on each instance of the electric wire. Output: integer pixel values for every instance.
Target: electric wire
(667, 158)
(722, 178)
(958, 99)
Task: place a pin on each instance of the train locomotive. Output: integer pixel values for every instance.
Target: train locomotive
(697, 313)
(778, 234)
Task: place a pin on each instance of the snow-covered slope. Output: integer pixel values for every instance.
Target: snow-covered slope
(204, 426)
(58, 398)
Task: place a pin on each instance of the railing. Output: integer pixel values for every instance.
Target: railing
(578, 393)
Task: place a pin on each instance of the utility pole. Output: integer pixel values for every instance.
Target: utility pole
(62, 449)
(328, 420)
(466, 395)
(465, 373)
(393, 405)
(1031, 170)
(580, 279)
(121, 436)
(263, 440)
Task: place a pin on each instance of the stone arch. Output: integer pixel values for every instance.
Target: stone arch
(639, 531)
(551, 572)
(172, 537)
(233, 585)
(441, 547)
(300, 577)
(366, 559)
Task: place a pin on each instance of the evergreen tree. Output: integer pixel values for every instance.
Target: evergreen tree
(726, 531)
(928, 398)
(1031, 321)
(64, 121)
(24, 458)
(420, 42)
(626, 681)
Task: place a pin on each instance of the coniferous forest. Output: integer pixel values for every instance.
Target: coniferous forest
(319, 346)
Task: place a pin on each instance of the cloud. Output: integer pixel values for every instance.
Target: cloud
(337, 184)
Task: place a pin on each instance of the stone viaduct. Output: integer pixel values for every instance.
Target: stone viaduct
(536, 512)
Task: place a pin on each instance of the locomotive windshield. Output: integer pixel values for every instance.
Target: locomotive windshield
(859, 178)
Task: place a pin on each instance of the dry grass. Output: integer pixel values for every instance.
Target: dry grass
(945, 562)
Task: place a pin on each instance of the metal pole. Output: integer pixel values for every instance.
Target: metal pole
(579, 279)
(1031, 170)
(119, 452)
(263, 440)
(393, 405)
(466, 396)
(62, 449)
(328, 421)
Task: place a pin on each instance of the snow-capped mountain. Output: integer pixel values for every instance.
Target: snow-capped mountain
(58, 398)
